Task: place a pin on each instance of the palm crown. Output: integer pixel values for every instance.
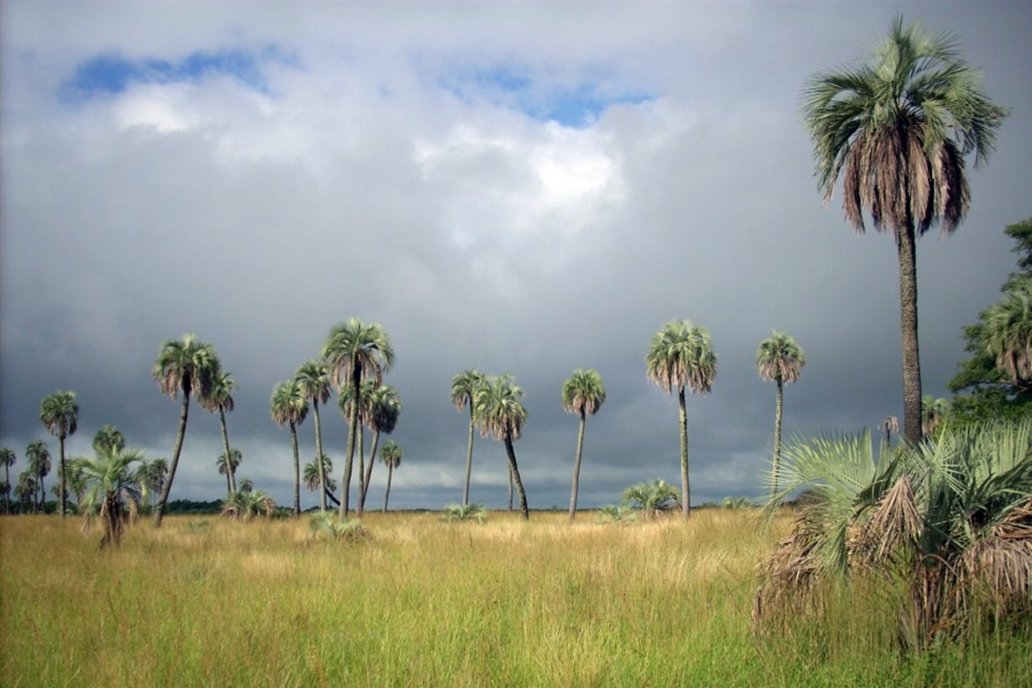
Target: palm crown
(288, 404)
(356, 350)
(779, 358)
(188, 365)
(681, 355)
(314, 381)
(220, 393)
(59, 414)
(498, 408)
(464, 387)
(583, 393)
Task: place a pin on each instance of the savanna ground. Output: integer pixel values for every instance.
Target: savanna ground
(209, 602)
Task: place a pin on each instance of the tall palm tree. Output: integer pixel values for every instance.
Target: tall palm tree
(345, 401)
(464, 388)
(289, 406)
(220, 398)
(681, 355)
(229, 467)
(39, 466)
(7, 459)
(501, 415)
(353, 351)
(189, 366)
(153, 474)
(108, 437)
(315, 384)
(897, 129)
(391, 456)
(1007, 333)
(780, 359)
(59, 414)
(583, 394)
(384, 410)
(114, 487)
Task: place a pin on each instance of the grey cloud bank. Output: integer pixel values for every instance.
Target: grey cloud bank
(354, 180)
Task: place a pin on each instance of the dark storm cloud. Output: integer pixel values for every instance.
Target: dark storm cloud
(348, 180)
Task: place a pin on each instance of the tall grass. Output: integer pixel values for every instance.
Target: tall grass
(210, 602)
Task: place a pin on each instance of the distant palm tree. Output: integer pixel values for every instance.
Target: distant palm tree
(108, 437)
(501, 415)
(315, 384)
(780, 359)
(115, 487)
(220, 398)
(246, 486)
(318, 477)
(229, 468)
(1007, 333)
(464, 387)
(188, 366)
(7, 459)
(897, 130)
(59, 414)
(681, 355)
(353, 351)
(583, 394)
(26, 491)
(153, 475)
(289, 406)
(391, 456)
(889, 425)
(384, 410)
(39, 466)
(933, 414)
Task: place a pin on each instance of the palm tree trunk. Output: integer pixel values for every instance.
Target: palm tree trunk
(510, 488)
(297, 471)
(777, 439)
(905, 245)
(159, 510)
(514, 475)
(469, 456)
(576, 468)
(349, 455)
(230, 478)
(7, 494)
(319, 455)
(368, 473)
(686, 503)
(361, 457)
(387, 494)
(61, 440)
(41, 506)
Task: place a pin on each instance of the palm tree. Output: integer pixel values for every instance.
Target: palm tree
(464, 388)
(7, 459)
(780, 359)
(498, 409)
(77, 479)
(115, 487)
(245, 505)
(345, 402)
(889, 425)
(318, 477)
(897, 129)
(188, 366)
(681, 355)
(952, 515)
(391, 456)
(220, 398)
(354, 351)
(39, 465)
(26, 491)
(933, 414)
(289, 406)
(153, 474)
(583, 394)
(384, 410)
(108, 437)
(229, 467)
(1007, 333)
(315, 384)
(59, 414)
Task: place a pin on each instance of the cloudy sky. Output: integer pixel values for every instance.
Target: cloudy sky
(524, 187)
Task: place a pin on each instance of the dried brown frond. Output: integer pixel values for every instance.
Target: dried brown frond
(788, 578)
(999, 569)
(896, 523)
(1017, 524)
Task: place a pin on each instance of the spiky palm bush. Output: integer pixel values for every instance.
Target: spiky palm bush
(327, 525)
(246, 505)
(114, 490)
(617, 514)
(651, 497)
(465, 512)
(950, 519)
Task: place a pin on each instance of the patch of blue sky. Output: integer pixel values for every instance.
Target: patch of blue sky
(111, 73)
(512, 86)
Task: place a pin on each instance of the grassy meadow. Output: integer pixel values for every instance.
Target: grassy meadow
(210, 602)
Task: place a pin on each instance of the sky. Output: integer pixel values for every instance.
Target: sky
(520, 187)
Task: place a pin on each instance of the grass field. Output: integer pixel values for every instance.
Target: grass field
(209, 602)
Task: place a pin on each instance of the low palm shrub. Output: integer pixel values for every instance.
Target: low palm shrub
(246, 505)
(652, 497)
(465, 512)
(949, 521)
(614, 513)
(326, 525)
